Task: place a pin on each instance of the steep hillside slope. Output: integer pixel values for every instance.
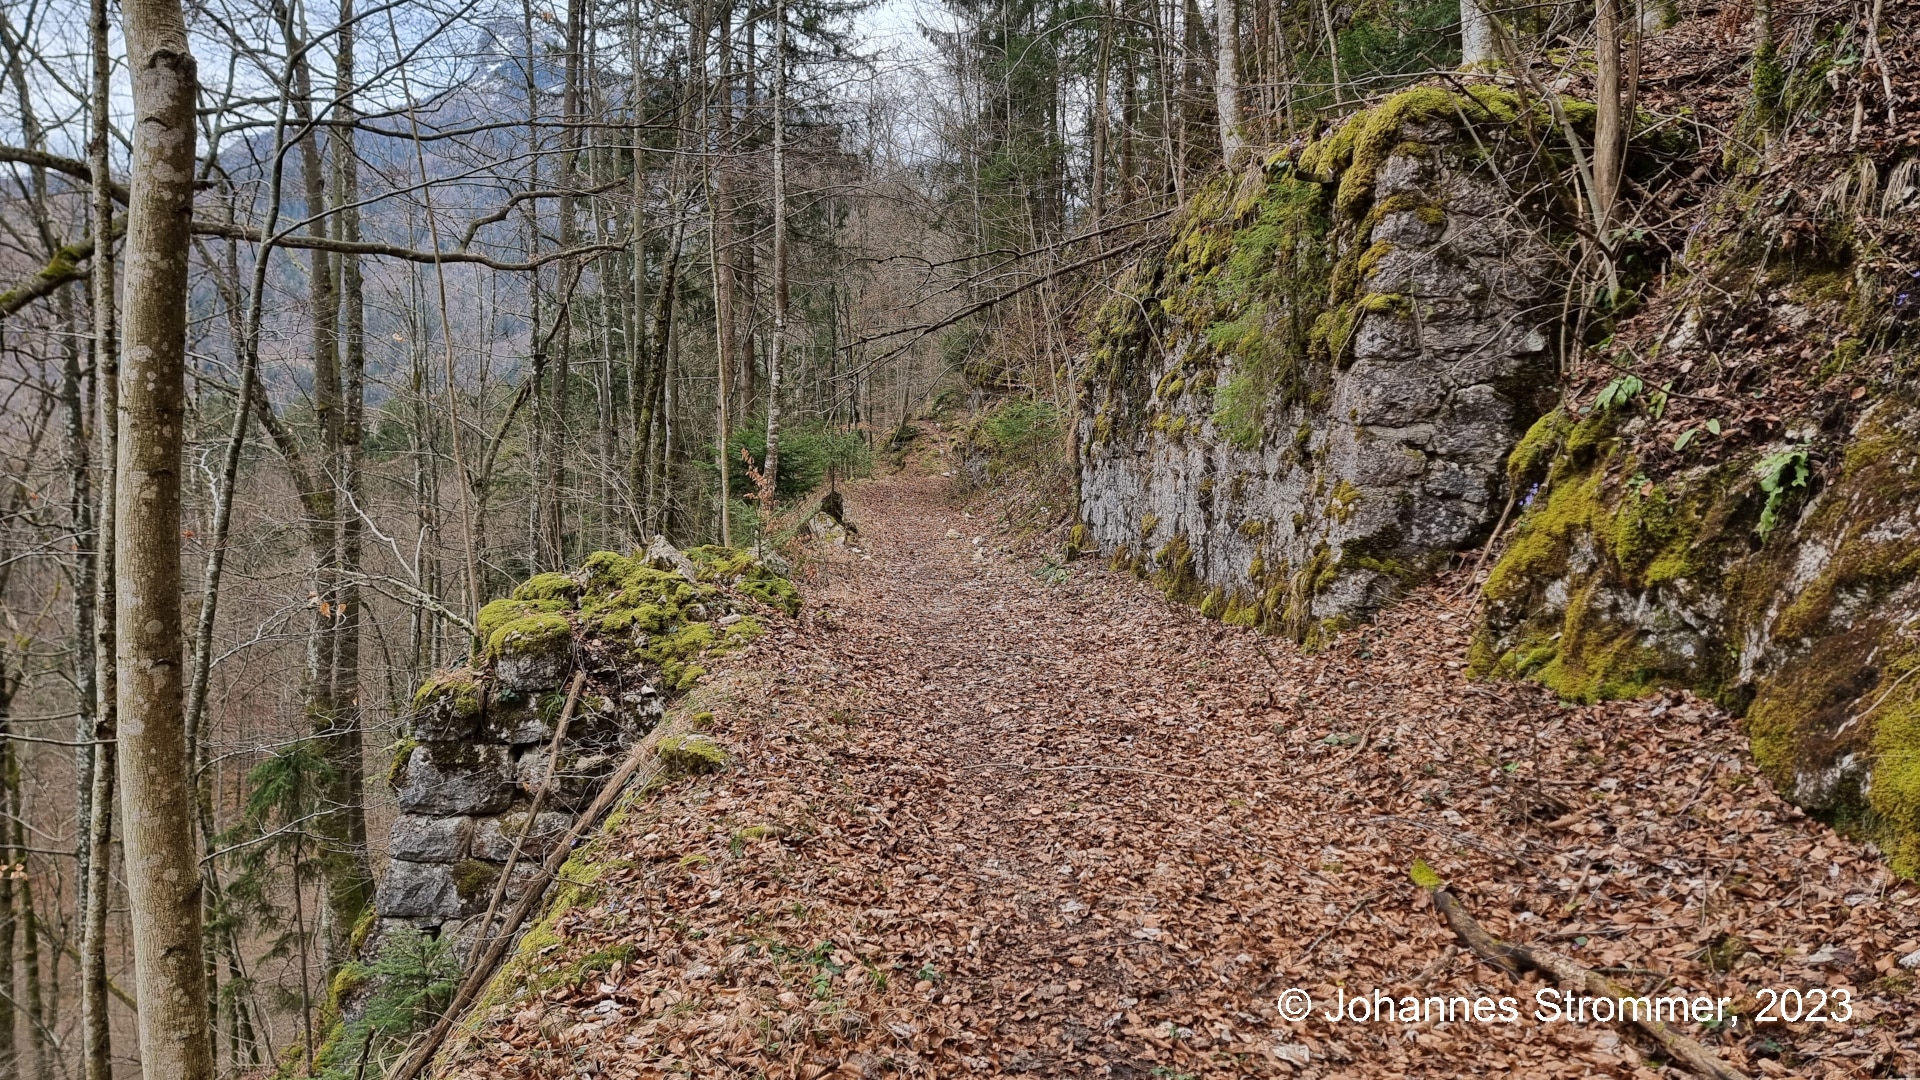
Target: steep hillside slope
(1318, 394)
(1729, 498)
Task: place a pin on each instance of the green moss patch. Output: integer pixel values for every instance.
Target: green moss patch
(548, 587)
(1894, 793)
(459, 691)
(1613, 582)
(528, 634)
(690, 755)
(473, 878)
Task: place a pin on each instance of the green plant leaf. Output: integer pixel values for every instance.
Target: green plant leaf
(1657, 401)
(1781, 474)
(1685, 438)
(1714, 426)
(1619, 392)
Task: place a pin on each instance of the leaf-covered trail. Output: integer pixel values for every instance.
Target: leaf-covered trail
(984, 822)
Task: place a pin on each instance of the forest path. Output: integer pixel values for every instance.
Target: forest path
(987, 817)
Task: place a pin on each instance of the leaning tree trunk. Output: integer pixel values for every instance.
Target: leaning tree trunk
(163, 883)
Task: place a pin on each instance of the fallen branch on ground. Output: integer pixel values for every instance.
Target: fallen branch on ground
(1516, 959)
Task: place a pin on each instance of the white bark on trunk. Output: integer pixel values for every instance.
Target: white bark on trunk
(776, 356)
(1476, 35)
(1226, 81)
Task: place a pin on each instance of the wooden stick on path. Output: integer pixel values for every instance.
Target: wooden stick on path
(1515, 959)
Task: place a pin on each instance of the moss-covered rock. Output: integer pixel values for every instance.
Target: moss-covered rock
(448, 705)
(1614, 582)
(690, 755)
(473, 879)
(548, 586)
(538, 632)
(1314, 378)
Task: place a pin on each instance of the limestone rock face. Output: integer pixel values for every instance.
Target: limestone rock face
(1302, 427)
(494, 839)
(533, 668)
(430, 839)
(477, 744)
(1614, 583)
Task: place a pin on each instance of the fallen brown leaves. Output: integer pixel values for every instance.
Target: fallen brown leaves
(986, 822)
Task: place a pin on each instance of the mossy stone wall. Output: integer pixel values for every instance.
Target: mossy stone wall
(1306, 400)
(479, 741)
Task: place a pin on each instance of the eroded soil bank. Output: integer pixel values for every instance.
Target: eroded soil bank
(987, 816)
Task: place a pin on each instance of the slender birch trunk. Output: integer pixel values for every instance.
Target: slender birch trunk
(1226, 80)
(1476, 35)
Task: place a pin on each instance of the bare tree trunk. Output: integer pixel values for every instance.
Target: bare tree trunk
(96, 1033)
(9, 923)
(744, 220)
(344, 828)
(97, 1040)
(40, 1061)
(1226, 81)
(553, 528)
(1192, 85)
(1609, 141)
(659, 371)
(718, 237)
(723, 318)
(776, 356)
(80, 510)
(1476, 35)
(163, 883)
(1102, 120)
(1333, 42)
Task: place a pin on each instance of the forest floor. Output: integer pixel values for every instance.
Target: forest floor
(987, 815)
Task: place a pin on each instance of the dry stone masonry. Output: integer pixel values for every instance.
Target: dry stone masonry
(480, 737)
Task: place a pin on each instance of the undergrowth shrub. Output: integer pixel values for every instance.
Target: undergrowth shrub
(807, 451)
(1022, 428)
(413, 980)
(1020, 448)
